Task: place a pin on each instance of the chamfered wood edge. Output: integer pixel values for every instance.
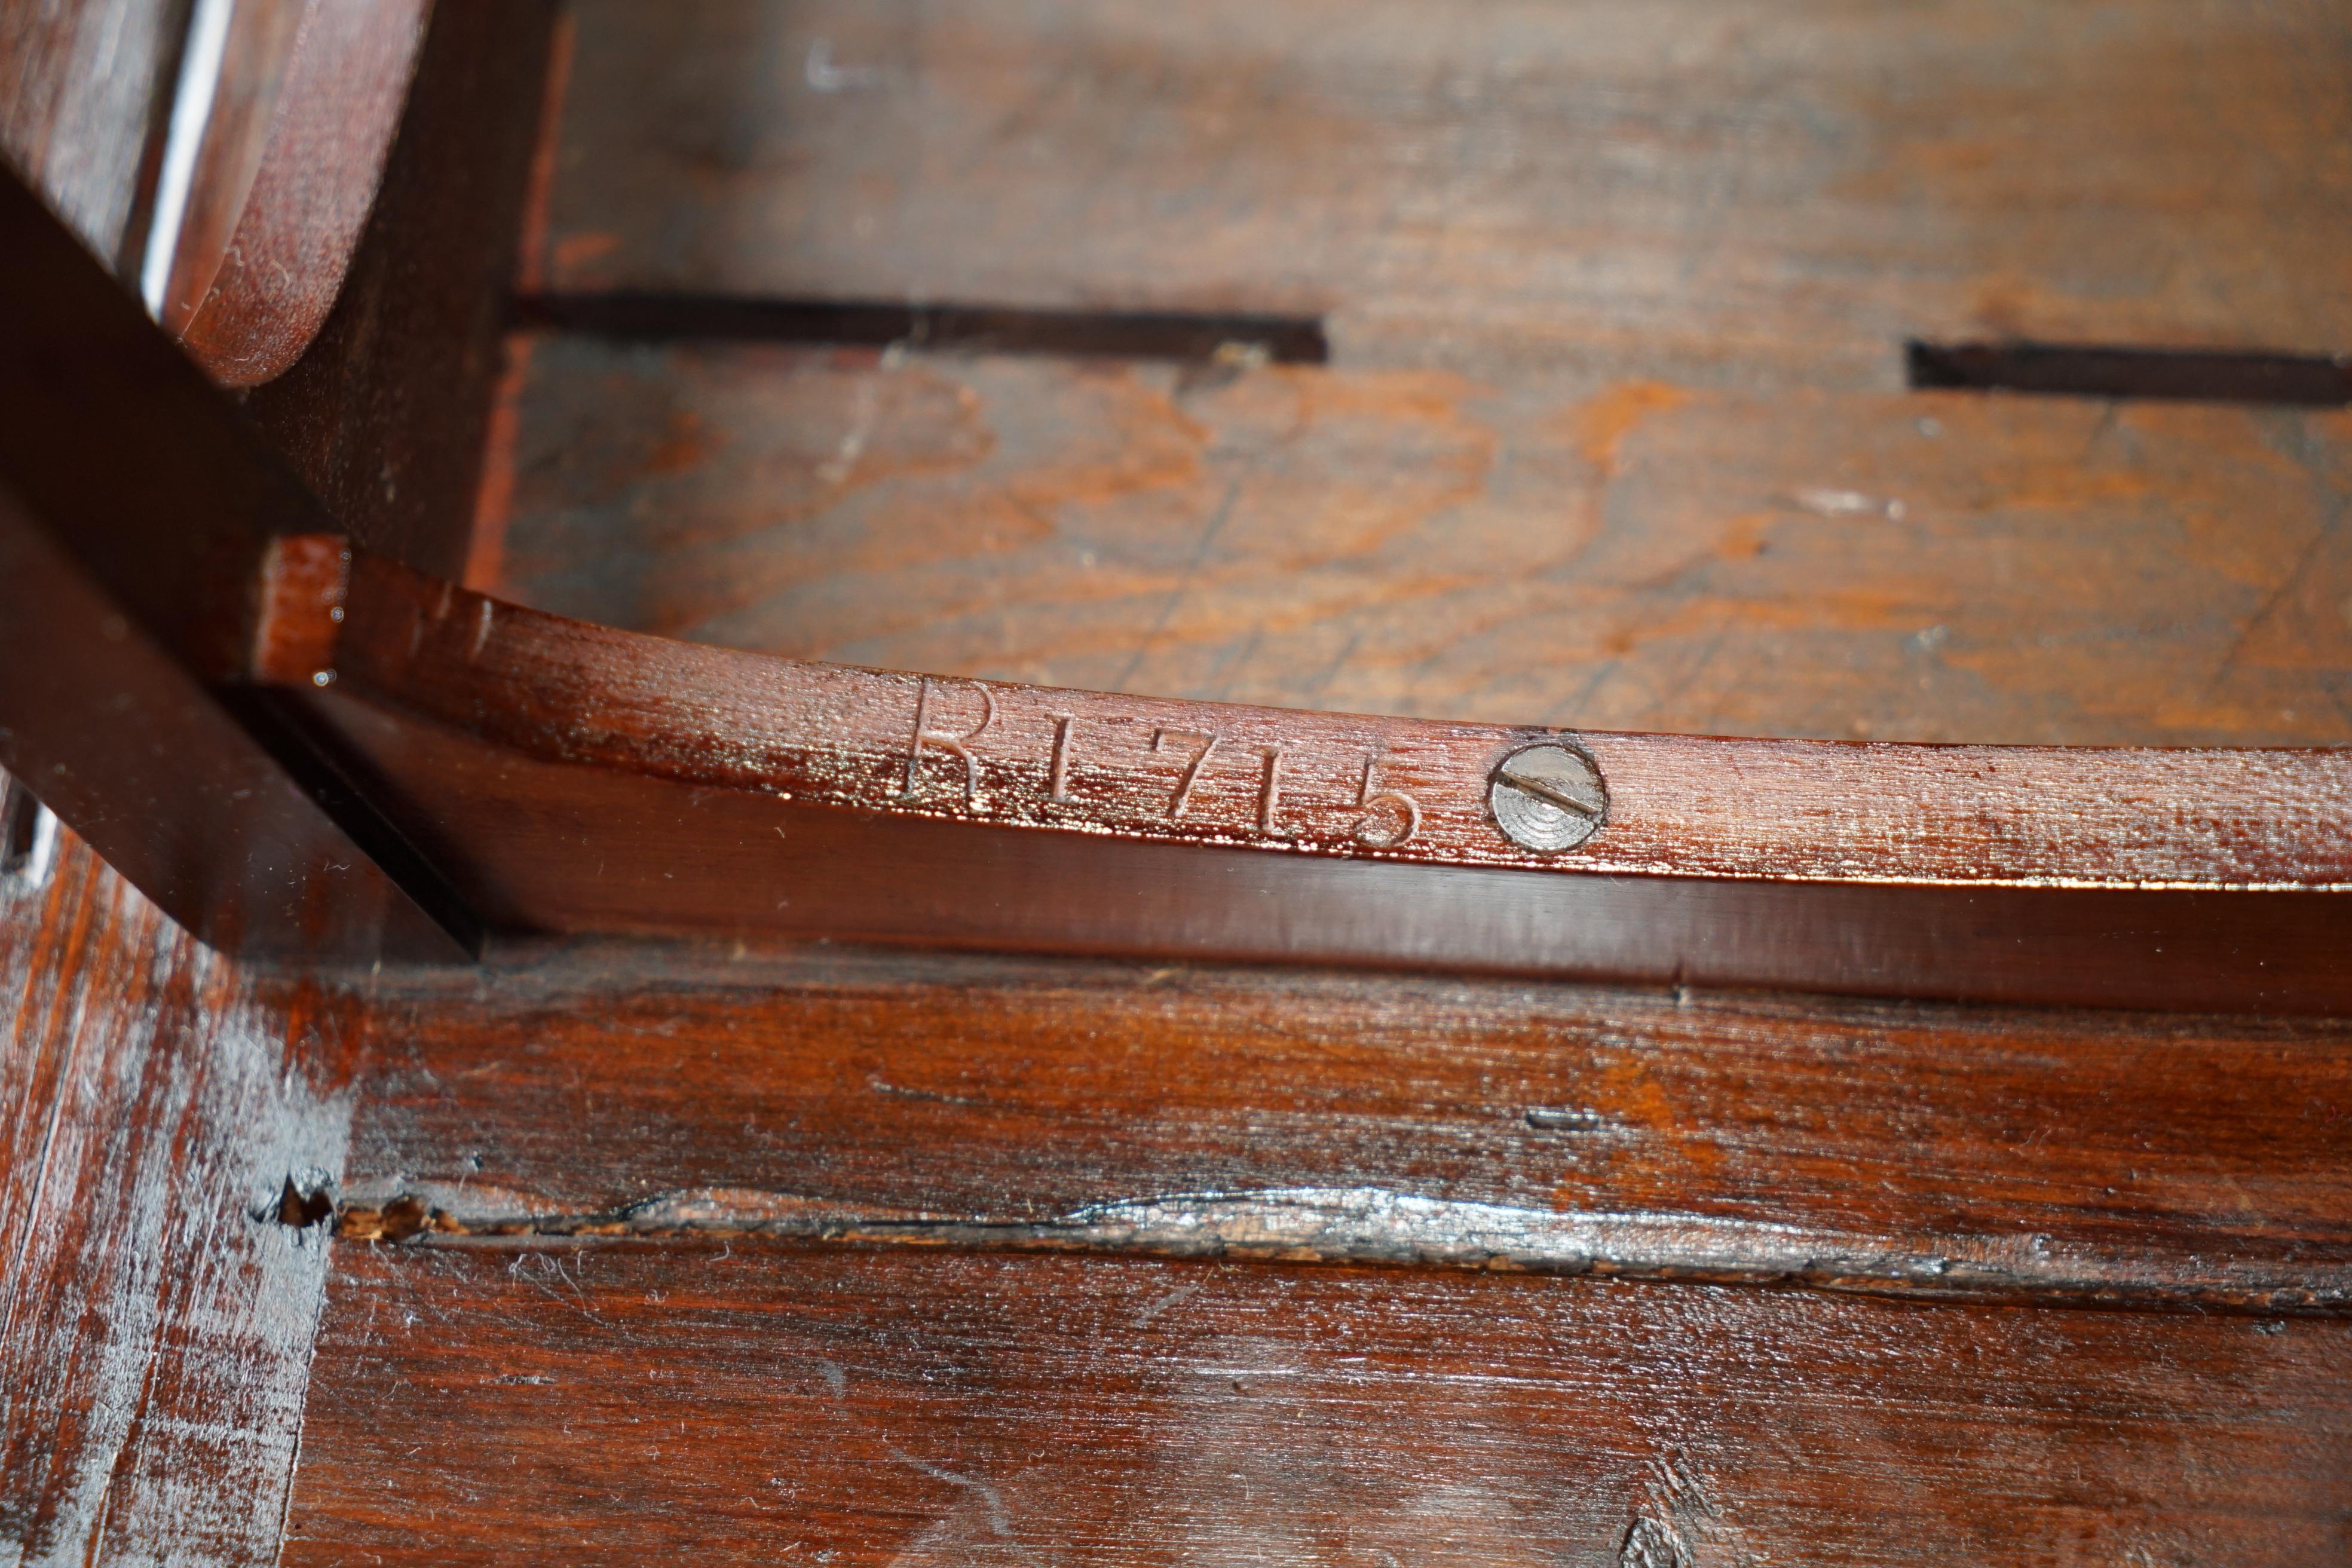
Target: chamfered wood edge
(330, 138)
(126, 603)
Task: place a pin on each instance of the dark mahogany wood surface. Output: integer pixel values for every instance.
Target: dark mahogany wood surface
(751, 1403)
(386, 414)
(806, 1253)
(159, 503)
(257, 43)
(146, 474)
(136, 507)
(614, 1326)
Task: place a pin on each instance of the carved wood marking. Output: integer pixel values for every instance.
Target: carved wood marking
(1058, 780)
(1269, 791)
(1343, 784)
(1369, 801)
(1183, 795)
(952, 744)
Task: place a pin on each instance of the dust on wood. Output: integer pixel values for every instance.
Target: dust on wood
(158, 1316)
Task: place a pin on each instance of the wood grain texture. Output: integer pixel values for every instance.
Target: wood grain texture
(1713, 191)
(155, 1337)
(85, 91)
(2137, 1159)
(1551, 549)
(565, 692)
(334, 115)
(748, 1404)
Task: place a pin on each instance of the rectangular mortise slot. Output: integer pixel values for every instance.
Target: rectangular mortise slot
(1177, 335)
(2075, 370)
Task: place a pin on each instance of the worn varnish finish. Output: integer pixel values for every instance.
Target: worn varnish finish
(747, 1404)
(256, 45)
(1558, 549)
(2136, 1159)
(1617, 305)
(1712, 191)
(155, 1319)
(934, 1383)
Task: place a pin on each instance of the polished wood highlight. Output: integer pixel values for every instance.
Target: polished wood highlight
(85, 95)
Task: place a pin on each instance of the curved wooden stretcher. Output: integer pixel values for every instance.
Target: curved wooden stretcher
(572, 778)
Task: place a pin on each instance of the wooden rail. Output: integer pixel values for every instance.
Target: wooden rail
(575, 778)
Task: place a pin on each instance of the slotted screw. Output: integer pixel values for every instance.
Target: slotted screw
(1548, 798)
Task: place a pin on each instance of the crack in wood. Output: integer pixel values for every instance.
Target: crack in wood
(1374, 1226)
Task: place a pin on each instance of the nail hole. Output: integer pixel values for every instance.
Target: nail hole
(302, 1210)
